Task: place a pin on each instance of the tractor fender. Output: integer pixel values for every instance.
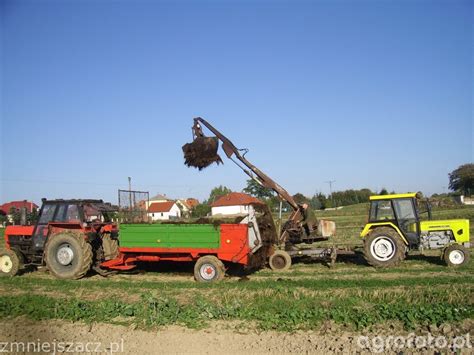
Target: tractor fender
(55, 231)
(369, 226)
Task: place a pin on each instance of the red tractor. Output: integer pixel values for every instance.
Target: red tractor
(70, 238)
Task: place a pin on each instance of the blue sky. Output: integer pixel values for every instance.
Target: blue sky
(367, 93)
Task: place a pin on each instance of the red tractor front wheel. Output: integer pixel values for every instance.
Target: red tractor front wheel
(10, 263)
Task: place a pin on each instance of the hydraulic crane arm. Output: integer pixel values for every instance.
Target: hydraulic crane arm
(296, 224)
(252, 171)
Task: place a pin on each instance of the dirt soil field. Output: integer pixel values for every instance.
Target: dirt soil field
(217, 339)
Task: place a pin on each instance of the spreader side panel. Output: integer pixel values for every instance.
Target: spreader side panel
(169, 236)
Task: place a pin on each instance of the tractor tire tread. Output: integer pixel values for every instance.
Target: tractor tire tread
(285, 256)
(211, 259)
(16, 262)
(86, 258)
(110, 247)
(456, 247)
(400, 253)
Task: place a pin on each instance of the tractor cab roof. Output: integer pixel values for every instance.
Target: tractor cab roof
(99, 205)
(395, 196)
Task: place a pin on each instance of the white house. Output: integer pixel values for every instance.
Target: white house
(233, 204)
(157, 198)
(163, 211)
(184, 207)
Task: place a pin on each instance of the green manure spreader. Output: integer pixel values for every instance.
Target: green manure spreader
(213, 247)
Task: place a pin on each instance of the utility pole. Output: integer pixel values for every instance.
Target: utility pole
(130, 191)
(330, 182)
(279, 216)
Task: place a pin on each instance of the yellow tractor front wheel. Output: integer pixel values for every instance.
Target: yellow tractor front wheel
(456, 255)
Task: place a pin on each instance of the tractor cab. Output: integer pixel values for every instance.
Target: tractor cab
(400, 210)
(85, 215)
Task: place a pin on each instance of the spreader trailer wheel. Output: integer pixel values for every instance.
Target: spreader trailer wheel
(10, 263)
(209, 269)
(280, 260)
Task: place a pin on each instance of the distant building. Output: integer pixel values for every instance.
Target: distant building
(192, 202)
(160, 198)
(154, 199)
(234, 203)
(18, 205)
(465, 200)
(158, 211)
(184, 207)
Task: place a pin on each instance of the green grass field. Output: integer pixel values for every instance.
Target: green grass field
(421, 291)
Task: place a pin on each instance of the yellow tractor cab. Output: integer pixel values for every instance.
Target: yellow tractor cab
(395, 227)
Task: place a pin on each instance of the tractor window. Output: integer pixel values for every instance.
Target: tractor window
(424, 209)
(381, 210)
(60, 214)
(47, 214)
(73, 214)
(92, 214)
(67, 213)
(404, 209)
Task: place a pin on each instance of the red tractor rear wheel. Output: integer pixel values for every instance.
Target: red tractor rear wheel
(68, 255)
(110, 247)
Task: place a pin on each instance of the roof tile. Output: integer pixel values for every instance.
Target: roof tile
(160, 207)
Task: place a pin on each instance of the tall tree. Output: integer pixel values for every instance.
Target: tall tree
(255, 189)
(217, 192)
(32, 217)
(201, 210)
(315, 202)
(300, 198)
(462, 179)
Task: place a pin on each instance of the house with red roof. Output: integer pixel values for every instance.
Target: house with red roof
(18, 205)
(234, 203)
(192, 202)
(159, 211)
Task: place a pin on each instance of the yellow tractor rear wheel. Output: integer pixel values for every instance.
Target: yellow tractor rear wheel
(383, 247)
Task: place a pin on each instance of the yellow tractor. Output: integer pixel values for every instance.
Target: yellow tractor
(395, 227)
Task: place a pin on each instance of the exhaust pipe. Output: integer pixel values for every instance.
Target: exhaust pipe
(23, 216)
